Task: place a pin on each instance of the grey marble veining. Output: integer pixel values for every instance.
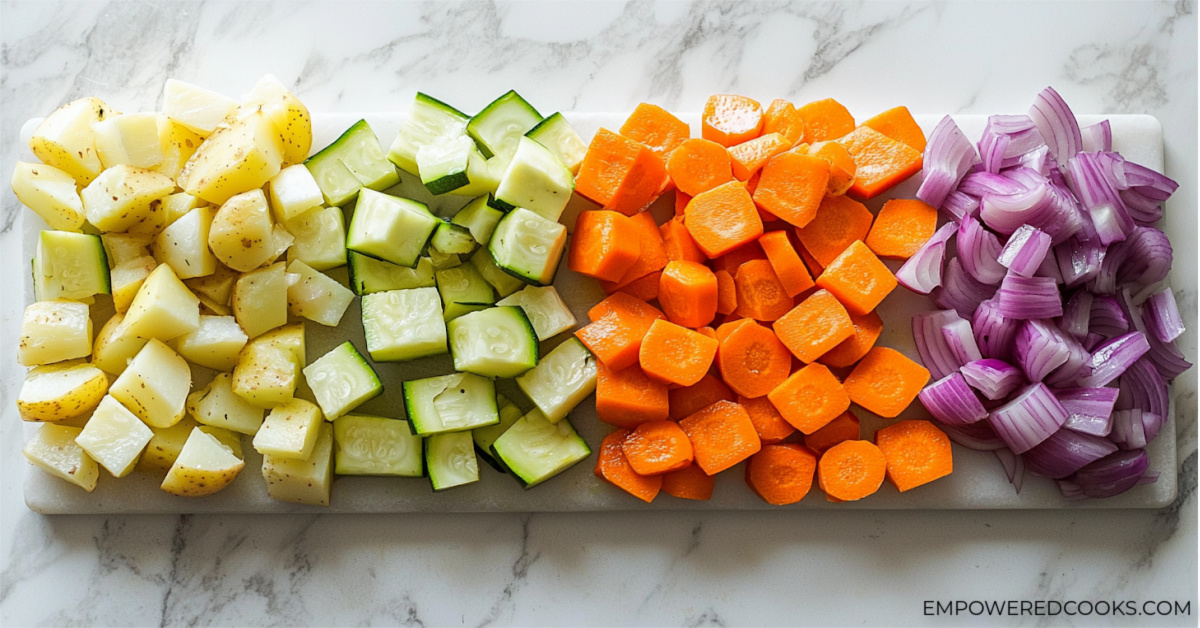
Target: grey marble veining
(697, 569)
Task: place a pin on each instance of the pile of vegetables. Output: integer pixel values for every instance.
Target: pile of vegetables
(1057, 338)
(766, 279)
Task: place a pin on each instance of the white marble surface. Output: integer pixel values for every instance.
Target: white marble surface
(660, 568)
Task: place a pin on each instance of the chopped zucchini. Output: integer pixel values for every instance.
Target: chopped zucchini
(499, 127)
(451, 460)
(372, 445)
(546, 310)
(485, 436)
(341, 380)
(68, 265)
(450, 403)
(463, 290)
(369, 275)
(504, 283)
(528, 246)
(536, 180)
(556, 134)
(353, 161)
(479, 218)
(427, 121)
(452, 239)
(495, 342)
(403, 324)
(562, 379)
(390, 228)
(535, 449)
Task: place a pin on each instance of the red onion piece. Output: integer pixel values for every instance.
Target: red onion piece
(1077, 314)
(1089, 410)
(1025, 250)
(994, 332)
(948, 156)
(1057, 125)
(1030, 418)
(959, 291)
(1167, 358)
(1113, 358)
(1161, 316)
(978, 251)
(935, 353)
(1079, 260)
(1112, 475)
(1074, 368)
(958, 206)
(1147, 255)
(1028, 297)
(952, 402)
(1066, 452)
(1040, 348)
(1107, 317)
(922, 272)
(994, 379)
(1097, 137)
(961, 340)
(978, 436)
(1142, 387)
(1014, 467)
(1134, 429)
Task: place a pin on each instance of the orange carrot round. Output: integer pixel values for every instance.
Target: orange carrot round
(611, 465)
(841, 166)
(851, 470)
(730, 119)
(886, 382)
(678, 243)
(839, 222)
(726, 292)
(880, 162)
(753, 361)
(781, 474)
(620, 174)
(767, 421)
(689, 482)
(699, 165)
(604, 246)
(825, 119)
(844, 427)
(791, 186)
(687, 292)
(898, 124)
(858, 279)
(722, 435)
(917, 453)
(676, 354)
(867, 329)
(688, 400)
(656, 447)
(781, 117)
(818, 324)
(760, 294)
(619, 323)
(750, 156)
(789, 268)
(722, 219)
(655, 127)
(901, 227)
(627, 398)
(810, 398)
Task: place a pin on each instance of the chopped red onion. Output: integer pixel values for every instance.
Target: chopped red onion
(1167, 358)
(1107, 318)
(1028, 419)
(1074, 368)
(1149, 182)
(1112, 474)
(1006, 139)
(948, 156)
(978, 250)
(994, 379)
(1079, 260)
(1057, 125)
(1028, 297)
(1049, 267)
(994, 332)
(1089, 410)
(1014, 467)
(978, 436)
(1066, 452)
(958, 206)
(1112, 358)
(935, 353)
(1161, 316)
(922, 272)
(1092, 341)
(1142, 387)
(1134, 429)
(1040, 348)
(1099, 197)
(1004, 213)
(961, 340)
(1144, 210)
(1147, 255)
(959, 291)
(951, 401)
(1077, 314)
(1025, 250)
(982, 183)
(1097, 137)
(1070, 490)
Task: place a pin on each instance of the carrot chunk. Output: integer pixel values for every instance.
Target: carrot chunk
(726, 292)
(886, 382)
(760, 294)
(675, 354)
(769, 424)
(708, 331)
(689, 482)
(655, 127)
(898, 124)
(844, 427)
(851, 470)
(604, 246)
(645, 289)
(881, 162)
(653, 253)
(657, 447)
(687, 292)
(722, 435)
(858, 279)
(611, 465)
(699, 165)
(731, 261)
(781, 117)
(816, 325)
(678, 243)
(838, 223)
(867, 329)
(901, 227)
(750, 156)
(722, 218)
(814, 267)
(689, 400)
(841, 166)
(792, 186)
(681, 200)
(825, 119)
(730, 119)
(810, 398)
(789, 268)
(620, 174)
(627, 398)
(618, 325)
(917, 453)
(752, 360)
(781, 474)
(729, 326)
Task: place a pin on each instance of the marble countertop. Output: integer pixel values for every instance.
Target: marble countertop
(661, 568)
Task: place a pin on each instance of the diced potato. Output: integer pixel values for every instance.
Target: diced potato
(217, 287)
(229, 438)
(127, 278)
(217, 405)
(53, 331)
(308, 481)
(155, 385)
(290, 430)
(199, 110)
(53, 448)
(260, 299)
(282, 240)
(234, 159)
(123, 196)
(165, 445)
(64, 139)
(289, 338)
(115, 345)
(266, 374)
(204, 466)
(241, 234)
(184, 244)
(293, 192)
(177, 205)
(286, 112)
(163, 308)
(50, 193)
(316, 296)
(320, 238)
(114, 437)
(215, 344)
(178, 145)
(60, 392)
(122, 247)
(128, 138)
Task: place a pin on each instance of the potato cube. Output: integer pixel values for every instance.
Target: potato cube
(114, 437)
(123, 196)
(199, 110)
(178, 145)
(128, 138)
(165, 445)
(60, 392)
(50, 193)
(215, 288)
(53, 448)
(53, 331)
(287, 114)
(163, 308)
(307, 481)
(266, 374)
(155, 385)
(241, 235)
(122, 247)
(293, 192)
(316, 296)
(183, 245)
(127, 278)
(234, 159)
(215, 344)
(115, 345)
(204, 466)
(64, 139)
(260, 299)
(290, 430)
(217, 405)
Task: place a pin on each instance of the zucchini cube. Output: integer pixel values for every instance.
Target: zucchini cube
(450, 403)
(372, 445)
(528, 246)
(451, 460)
(404, 325)
(341, 380)
(495, 342)
(564, 378)
(390, 228)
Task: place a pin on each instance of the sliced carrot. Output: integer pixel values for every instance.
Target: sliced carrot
(655, 127)
(917, 453)
(722, 435)
(675, 354)
(858, 279)
(604, 246)
(752, 360)
(760, 294)
(901, 227)
(689, 482)
(657, 447)
(619, 323)
(723, 218)
(689, 400)
(787, 263)
(751, 186)
(611, 465)
(838, 223)
(886, 382)
(898, 124)
(750, 156)
(792, 186)
(732, 260)
(841, 165)
(881, 162)
(708, 331)
(825, 120)
(769, 424)
(627, 398)
(620, 174)
(781, 117)
(867, 329)
(730, 119)
(728, 327)
(851, 470)
(687, 292)
(699, 165)
(645, 289)
(678, 243)
(681, 200)
(653, 253)
(810, 398)
(781, 474)
(844, 427)
(818, 324)
(726, 292)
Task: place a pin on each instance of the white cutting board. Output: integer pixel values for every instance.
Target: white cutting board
(978, 481)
